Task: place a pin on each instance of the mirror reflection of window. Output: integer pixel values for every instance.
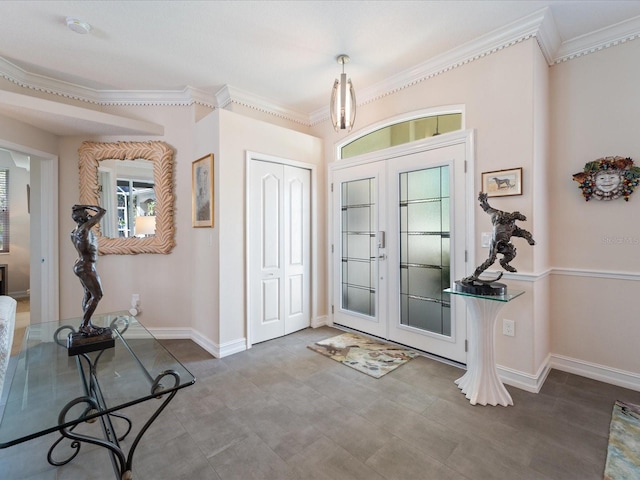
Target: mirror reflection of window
(127, 193)
(135, 199)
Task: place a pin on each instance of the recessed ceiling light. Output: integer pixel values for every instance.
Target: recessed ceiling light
(78, 26)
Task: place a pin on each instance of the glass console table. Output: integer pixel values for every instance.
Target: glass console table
(51, 391)
(481, 383)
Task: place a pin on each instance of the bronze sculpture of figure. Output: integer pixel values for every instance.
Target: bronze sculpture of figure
(86, 243)
(504, 227)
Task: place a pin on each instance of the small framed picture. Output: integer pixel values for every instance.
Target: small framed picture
(502, 183)
(202, 191)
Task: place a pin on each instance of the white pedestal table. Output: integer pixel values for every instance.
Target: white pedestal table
(481, 384)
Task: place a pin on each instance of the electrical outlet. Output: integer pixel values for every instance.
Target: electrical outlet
(508, 328)
(135, 299)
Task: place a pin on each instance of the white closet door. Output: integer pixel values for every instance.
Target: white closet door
(297, 242)
(279, 249)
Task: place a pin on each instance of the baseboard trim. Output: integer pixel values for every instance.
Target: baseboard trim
(320, 321)
(171, 333)
(594, 371)
(211, 347)
(19, 294)
(525, 381)
(218, 351)
(235, 346)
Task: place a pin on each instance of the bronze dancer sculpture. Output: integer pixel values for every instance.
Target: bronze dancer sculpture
(86, 244)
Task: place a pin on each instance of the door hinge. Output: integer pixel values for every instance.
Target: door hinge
(332, 309)
(466, 346)
(332, 248)
(466, 256)
(465, 166)
(332, 186)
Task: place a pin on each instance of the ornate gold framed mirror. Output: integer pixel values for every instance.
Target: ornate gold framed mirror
(159, 203)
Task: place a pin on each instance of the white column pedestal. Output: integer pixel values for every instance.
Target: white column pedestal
(481, 383)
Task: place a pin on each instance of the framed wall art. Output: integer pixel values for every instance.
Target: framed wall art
(501, 183)
(202, 191)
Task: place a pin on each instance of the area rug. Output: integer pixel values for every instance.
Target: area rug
(623, 452)
(364, 354)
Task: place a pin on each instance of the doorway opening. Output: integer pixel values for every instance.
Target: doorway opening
(40, 287)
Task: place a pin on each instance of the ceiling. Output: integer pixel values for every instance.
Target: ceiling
(283, 51)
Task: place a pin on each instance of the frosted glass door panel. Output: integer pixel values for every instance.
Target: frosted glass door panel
(358, 192)
(358, 246)
(424, 249)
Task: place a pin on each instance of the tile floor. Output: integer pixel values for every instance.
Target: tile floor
(280, 411)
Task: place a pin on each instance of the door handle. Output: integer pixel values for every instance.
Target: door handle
(383, 256)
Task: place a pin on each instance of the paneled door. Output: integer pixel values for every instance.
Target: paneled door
(279, 249)
(399, 239)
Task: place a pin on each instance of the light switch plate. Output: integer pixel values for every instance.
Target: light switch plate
(485, 239)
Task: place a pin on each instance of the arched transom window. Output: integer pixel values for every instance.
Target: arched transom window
(402, 132)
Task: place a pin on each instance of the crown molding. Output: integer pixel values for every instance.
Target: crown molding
(228, 95)
(185, 97)
(600, 39)
(548, 37)
(40, 83)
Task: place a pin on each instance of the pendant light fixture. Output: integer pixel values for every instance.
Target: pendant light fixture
(343, 100)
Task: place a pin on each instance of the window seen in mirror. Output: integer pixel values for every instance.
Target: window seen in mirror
(134, 199)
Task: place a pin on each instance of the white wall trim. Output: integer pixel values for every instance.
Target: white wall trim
(519, 276)
(594, 371)
(211, 347)
(171, 333)
(622, 32)
(40, 83)
(229, 348)
(320, 321)
(525, 381)
(19, 294)
(576, 272)
(573, 272)
(228, 95)
(218, 351)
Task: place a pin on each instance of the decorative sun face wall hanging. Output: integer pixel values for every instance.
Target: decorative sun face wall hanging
(608, 178)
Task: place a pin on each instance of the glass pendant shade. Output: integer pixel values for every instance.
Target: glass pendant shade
(343, 104)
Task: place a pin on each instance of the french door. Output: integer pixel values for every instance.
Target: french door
(399, 239)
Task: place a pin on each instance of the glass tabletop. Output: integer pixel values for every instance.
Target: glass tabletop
(45, 380)
(510, 295)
